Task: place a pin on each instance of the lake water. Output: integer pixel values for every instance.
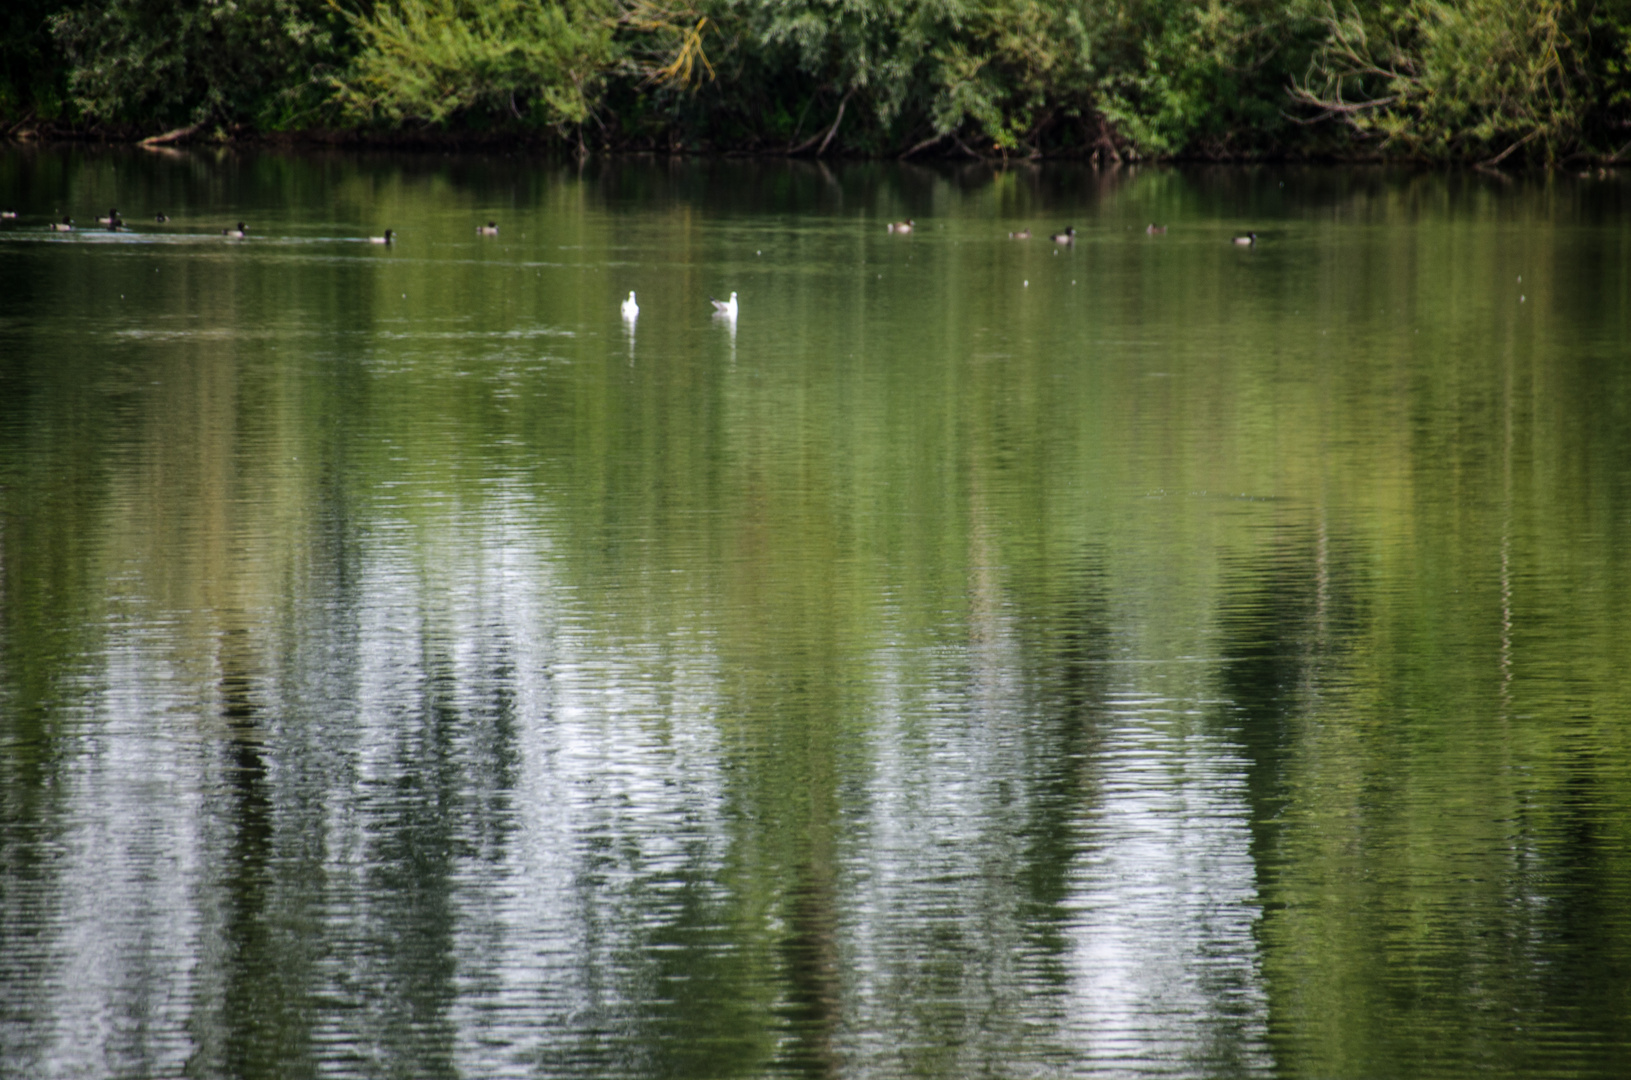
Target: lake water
(1152, 656)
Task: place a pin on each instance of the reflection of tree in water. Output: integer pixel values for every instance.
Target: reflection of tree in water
(790, 817)
(1284, 611)
(1430, 867)
(810, 953)
(1069, 686)
(960, 902)
(443, 801)
(1577, 924)
(248, 818)
(251, 1011)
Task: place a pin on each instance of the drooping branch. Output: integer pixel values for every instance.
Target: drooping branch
(1348, 57)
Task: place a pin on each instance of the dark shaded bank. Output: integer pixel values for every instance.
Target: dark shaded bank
(1477, 81)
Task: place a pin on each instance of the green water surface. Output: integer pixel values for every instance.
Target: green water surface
(1150, 656)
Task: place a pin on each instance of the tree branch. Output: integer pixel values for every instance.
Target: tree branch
(171, 136)
(1498, 158)
(924, 145)
(839, 119)
(829, 134)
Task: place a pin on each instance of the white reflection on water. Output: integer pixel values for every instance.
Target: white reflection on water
(106, 979)
(517, 813)
(1164, 961)
(1160, 973)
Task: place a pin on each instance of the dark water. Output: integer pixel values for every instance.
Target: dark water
(1149, 657)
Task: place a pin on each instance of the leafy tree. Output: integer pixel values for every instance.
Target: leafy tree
(1440, 79)
(33, 71)
(433, 61)
(1019, 68)
(879, 77)
(1436, 78)
(1178, 76)
(199, 61)
(877, 54)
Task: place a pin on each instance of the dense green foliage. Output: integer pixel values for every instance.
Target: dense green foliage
(1453, 77)
(153, 61)
(431, 60)
(1432, 79)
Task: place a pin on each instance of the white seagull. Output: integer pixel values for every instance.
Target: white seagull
(727, 308)
(631, 310)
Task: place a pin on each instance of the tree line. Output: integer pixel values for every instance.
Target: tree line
(1472, 80)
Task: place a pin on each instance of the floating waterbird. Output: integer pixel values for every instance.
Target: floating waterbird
(631, 310)
(8, 214)
(111, 219)
(489, 229)
(1155, 230)
(1023, 234)
(1246, 241)
(238, 233)
(1066, 237)
(386, 239)
(727, 308)
(161, 217)
(65, 225)
(902, 226)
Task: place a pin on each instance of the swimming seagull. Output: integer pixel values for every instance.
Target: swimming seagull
(725, 308)
(631, 310)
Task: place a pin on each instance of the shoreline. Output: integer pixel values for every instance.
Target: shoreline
(513, 142)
